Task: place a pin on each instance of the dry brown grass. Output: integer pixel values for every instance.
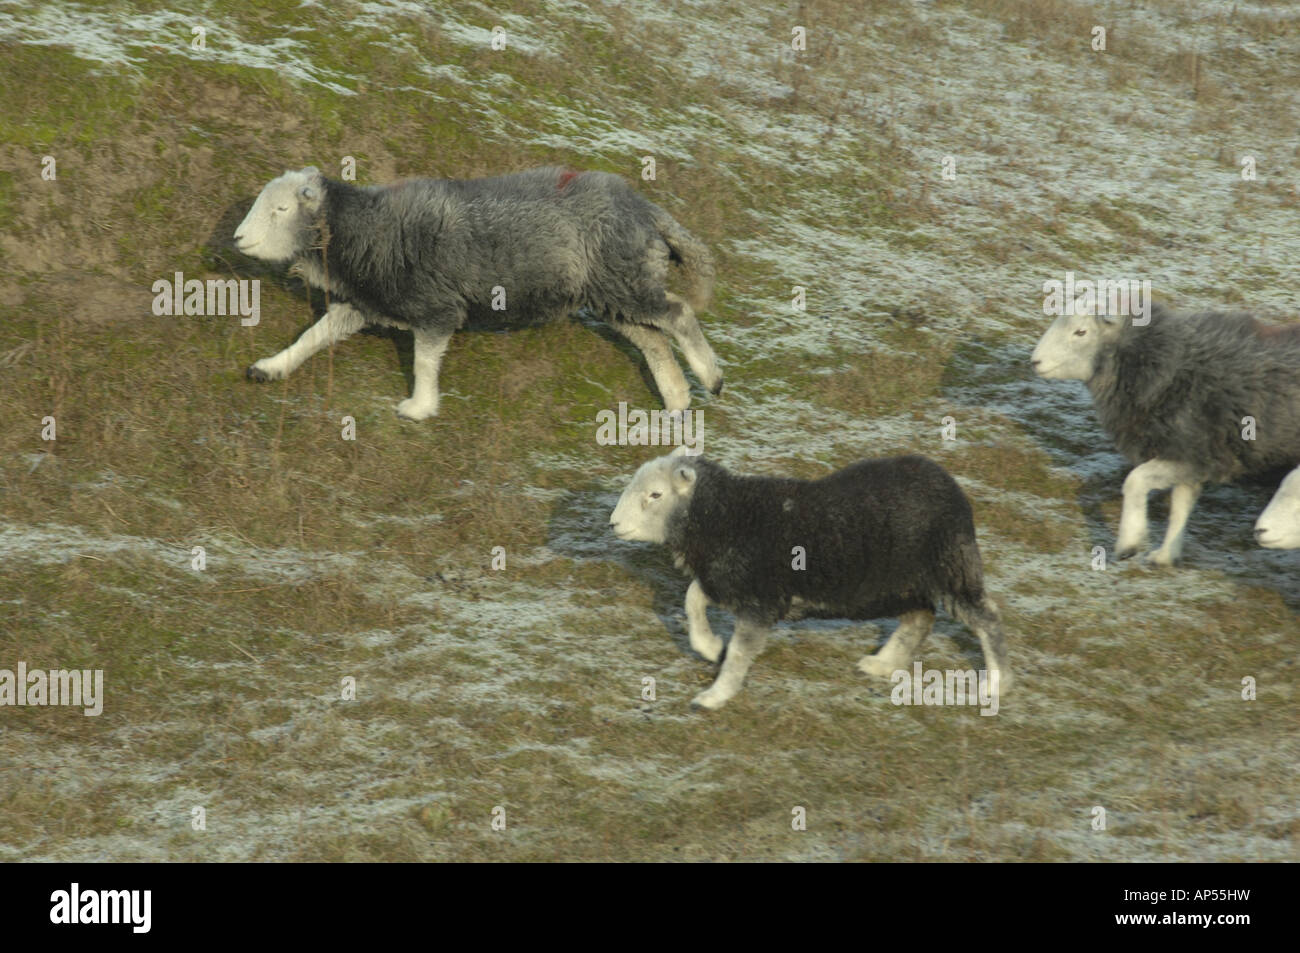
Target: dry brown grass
(371, 559)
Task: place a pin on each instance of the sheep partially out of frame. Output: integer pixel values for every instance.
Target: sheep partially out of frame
(432, 255)
(1278, 527)
(886, 537)
(1190, 399)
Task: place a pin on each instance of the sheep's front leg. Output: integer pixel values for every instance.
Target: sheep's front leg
(1133, 518)
(898, 652)
(339, 322)
(697, 621)
(430, 346)
(1138, 485)
(745, 646)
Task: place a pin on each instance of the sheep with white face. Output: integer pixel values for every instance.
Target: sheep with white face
(656, 492)
(885, 537)
(1278, 527)
(1068, 349)
(433, 256)
(659, 493)
(283, 214)
(1188, 399)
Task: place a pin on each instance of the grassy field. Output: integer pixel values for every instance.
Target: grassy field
(521, 689)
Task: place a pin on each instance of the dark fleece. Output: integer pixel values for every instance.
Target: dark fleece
(882, 537)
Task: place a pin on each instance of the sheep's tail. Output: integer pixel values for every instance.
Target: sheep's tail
(691, 254)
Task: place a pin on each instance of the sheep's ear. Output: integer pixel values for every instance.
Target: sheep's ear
(309, 192)
(683, 478)
(1109, 324)
(681, 450)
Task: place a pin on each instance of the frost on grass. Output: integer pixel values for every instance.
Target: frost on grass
(829, 177)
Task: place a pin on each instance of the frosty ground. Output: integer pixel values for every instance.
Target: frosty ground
(522, 688)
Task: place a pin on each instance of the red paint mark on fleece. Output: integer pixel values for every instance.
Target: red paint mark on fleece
(1267, 332)
(566, 177)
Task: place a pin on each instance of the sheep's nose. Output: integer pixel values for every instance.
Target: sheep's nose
(1035, 361)
(1259, 533)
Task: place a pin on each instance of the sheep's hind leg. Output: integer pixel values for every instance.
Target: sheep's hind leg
(745, 646)
(986, 622)
(697, 620)
(1181, 501)
(430, 346)
(663, 366)
(898, 652)
(685, 327)
(340, 321)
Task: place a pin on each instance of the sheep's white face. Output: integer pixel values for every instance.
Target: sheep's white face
(1278, 527)
(1068, 349)
(272, 228)
(658, 490)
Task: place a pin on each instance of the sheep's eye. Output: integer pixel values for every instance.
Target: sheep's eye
(283, 208)
(655, 495)
(1081, 332)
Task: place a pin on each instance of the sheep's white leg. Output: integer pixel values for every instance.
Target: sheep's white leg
(339, 322)
(1181, 502)
(697, 620)
(898, 652)
(699, 355)
(1133, 518)
(745, 646)
(987, 624)
(430, 346)
(1154, 475)
(663, 366)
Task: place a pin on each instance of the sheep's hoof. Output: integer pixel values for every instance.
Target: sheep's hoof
(716, 389)
(708, 700)
(255, 373)
(1128, 552)
(1159, 559)
(875, 665)
(410, 410)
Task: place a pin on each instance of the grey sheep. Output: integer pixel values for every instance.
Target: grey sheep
(883, 537)
(1190, 399)
(432, 255)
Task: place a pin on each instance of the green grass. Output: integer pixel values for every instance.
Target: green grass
(370, 559)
